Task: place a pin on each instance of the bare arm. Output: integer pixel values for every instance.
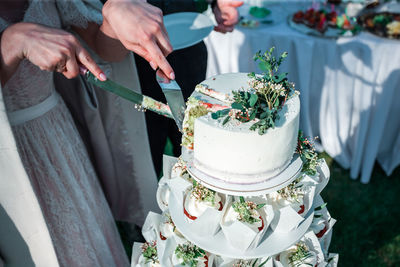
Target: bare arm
(48, 48)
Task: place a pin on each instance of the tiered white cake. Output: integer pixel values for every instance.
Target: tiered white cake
(238, 196)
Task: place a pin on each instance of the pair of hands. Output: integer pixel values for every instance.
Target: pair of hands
(136, 24)
(150, 39)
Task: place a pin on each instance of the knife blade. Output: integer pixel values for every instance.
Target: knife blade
(173, 93)
(145, 102)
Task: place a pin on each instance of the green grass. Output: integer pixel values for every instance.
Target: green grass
(367, 231)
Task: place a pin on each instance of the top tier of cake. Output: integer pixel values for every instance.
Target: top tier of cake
(234, 153)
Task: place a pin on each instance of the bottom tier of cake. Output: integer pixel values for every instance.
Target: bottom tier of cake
(201, 227)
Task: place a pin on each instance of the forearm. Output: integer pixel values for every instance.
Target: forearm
(11, 51)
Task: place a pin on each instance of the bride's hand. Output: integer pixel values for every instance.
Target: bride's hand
(140, 28)
(48, 48)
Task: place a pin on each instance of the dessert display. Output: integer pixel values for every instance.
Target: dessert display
(241, 130)
(383, 24)
(322, 21)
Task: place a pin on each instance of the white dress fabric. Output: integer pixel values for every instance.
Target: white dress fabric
(65, 185)
(348, 87)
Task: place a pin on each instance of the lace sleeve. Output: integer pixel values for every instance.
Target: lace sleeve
(79, 12)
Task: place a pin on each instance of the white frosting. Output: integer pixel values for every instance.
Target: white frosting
(232, 216)
(196, 208)
(310, 261)
(234, 153)
(280, 202)
(142, 263)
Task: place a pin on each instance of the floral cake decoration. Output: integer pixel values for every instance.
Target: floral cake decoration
(266, 96)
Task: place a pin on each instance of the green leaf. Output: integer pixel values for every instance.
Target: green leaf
(280, 77)
(226, 120)
(236, 105)
(253, 115)
(264, 262)
(321, 207)
(242, 199)
(214, 115)
(259, 206)
(253, 100)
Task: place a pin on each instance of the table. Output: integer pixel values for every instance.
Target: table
(349, 87)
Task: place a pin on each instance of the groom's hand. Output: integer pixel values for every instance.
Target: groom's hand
(140, 28)
(226, 15)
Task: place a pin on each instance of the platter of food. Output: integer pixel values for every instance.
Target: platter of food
(382, 24)
(325, 23)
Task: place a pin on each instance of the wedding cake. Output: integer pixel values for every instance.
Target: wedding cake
(246, 191)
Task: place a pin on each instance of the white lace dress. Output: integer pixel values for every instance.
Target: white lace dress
(77, 215)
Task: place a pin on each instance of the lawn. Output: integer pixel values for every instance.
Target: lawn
(367, 231)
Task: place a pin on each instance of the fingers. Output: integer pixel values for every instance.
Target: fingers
(223, 29)
(236, 4)
(161, 77)
(86, 60)
(158, 60)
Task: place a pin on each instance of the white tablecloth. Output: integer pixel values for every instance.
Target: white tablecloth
(350, 88)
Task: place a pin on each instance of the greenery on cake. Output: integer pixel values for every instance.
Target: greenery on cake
(245, 210)
(292, 191)
(202, 193)
(300, 255)
(194, 110)
(308, 155)
(250, 263)
(189, 254)
(265, 97)
(149, 252)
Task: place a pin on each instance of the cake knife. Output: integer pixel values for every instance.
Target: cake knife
(173, 93)
(145, 102)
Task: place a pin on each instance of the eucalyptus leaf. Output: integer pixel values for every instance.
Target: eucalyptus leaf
(253, 100)
(236, 105)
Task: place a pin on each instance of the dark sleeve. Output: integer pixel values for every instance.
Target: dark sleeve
(174, 6)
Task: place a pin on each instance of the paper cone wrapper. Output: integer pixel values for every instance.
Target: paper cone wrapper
(332, 260)
(179, 239)
(325, 240)
(277, 263)
(179, 187)
(136, 252)
(308, 198)
(324, 174)
(150, 230)
(208, 223)
(313, 243)
(162, 196)
(177, 263)
(240, 235)
(168, 163)
(286, 219)
(165, 251)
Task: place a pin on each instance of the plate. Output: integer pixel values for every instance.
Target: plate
(187, 28)
(270, 184)
(271, 244)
